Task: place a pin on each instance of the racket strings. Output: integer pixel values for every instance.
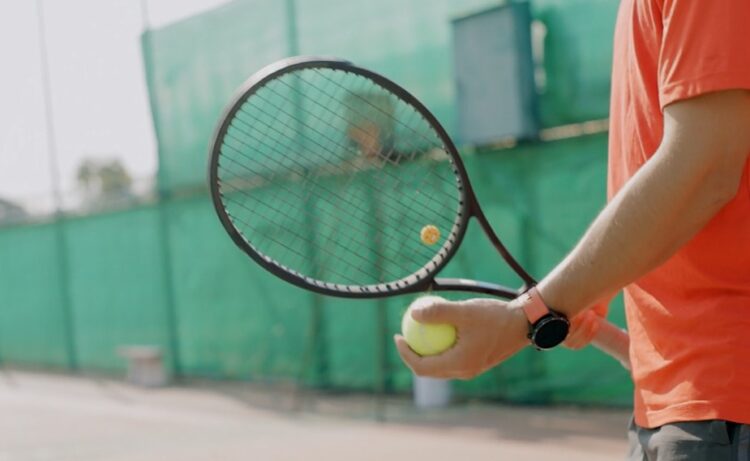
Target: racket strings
(317, 266)
(311, 215)
(297, 252)
(432, 141)
(330, 253)
(385, 157)
(359, 96)
(328, 193)
(302, 190)
(346, 244)
(345, 277)
(332, 193)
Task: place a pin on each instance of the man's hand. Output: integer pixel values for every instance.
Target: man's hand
(489, 331)
(583, 328)
(585, 325)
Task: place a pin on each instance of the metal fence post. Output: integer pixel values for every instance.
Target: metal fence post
(63, 265)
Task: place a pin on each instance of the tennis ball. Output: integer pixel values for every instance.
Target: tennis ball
(427, 339)
(429, 234)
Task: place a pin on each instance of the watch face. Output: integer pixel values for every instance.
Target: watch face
(550, 331)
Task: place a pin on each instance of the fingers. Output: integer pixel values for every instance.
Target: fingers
(601, 309)
(583, 328)
(439, 312)
(434, 366)
(489, 331)
(409, 357)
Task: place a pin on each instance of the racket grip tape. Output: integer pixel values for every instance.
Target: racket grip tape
(614, 341)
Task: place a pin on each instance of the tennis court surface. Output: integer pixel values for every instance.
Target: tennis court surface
(64, 418)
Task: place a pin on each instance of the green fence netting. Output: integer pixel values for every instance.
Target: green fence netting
(577, 59)
(217, 314)
(166, 274)
(193, 67)
(32, 316)
(117, 285)
(233, 319)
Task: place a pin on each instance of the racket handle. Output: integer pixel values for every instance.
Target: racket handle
(614, 341)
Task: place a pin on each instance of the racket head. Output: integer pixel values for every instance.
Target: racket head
(274, 111)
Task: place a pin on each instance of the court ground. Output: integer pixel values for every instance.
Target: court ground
(62, 418)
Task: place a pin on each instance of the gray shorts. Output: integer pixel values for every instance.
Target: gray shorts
(713, 440)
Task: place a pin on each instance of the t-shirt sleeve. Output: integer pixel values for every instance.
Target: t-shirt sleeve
(705, 47)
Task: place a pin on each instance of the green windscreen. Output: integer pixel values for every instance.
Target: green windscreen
(232, 319)
(194, 67)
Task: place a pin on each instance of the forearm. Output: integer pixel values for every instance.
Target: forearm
(695, 172)
(659, 210)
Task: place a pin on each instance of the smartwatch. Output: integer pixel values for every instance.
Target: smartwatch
(547, 328)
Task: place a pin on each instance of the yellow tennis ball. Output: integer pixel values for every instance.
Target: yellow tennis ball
(427, 339)
(429, 234)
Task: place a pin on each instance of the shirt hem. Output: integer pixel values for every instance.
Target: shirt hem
(699, 410)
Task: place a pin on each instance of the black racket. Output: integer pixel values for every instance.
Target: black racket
(339, 181)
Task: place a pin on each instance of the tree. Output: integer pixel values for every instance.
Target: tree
(11, 212)
(104, 182)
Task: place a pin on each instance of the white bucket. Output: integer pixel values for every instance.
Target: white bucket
(431, 392)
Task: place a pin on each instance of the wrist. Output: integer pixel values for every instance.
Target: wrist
(556, 298)
(547, 328)
(520, 320)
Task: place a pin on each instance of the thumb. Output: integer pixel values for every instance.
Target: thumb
(435, 311)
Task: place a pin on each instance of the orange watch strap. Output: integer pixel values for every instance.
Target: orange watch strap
(533, 306)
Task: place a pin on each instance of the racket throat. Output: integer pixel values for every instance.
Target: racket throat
(528, 280)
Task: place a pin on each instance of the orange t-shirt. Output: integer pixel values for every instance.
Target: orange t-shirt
(689, 319)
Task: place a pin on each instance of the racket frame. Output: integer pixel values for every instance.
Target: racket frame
(470, 207)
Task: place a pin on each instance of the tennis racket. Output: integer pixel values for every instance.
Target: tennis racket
(339, 181)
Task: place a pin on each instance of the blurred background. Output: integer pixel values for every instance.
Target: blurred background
(111, 255)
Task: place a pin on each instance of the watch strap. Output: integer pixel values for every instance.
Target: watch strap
(533, 306)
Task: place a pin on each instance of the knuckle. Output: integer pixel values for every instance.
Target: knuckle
(449, 309)
(436, 310)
